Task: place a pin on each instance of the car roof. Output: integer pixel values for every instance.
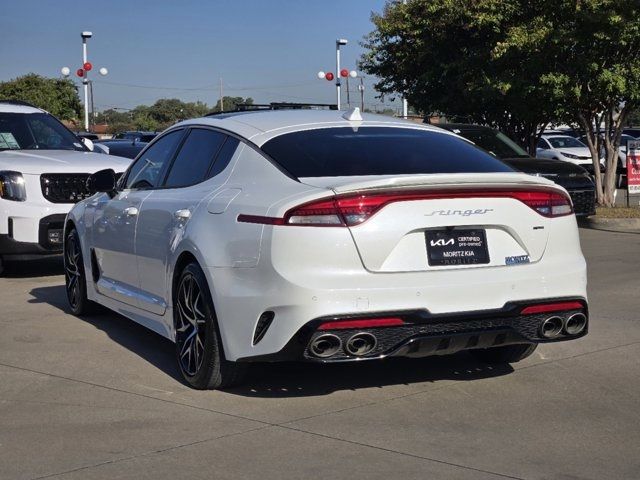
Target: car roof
(261, 126)
(557, 135)
(9, 106)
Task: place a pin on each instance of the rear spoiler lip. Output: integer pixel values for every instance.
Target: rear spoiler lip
(341, 185)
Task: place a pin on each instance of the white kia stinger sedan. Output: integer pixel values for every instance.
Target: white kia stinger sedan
(326, 236)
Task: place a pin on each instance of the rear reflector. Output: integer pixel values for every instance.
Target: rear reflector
(552, 307)
(362, 323)
(353, 209)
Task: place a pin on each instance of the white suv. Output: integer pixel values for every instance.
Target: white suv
(43, 172)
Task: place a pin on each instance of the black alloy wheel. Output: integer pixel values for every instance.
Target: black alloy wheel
(74, 275)
(199, 349)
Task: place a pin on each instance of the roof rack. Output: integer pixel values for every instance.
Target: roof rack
(17, 102)
(260, 107)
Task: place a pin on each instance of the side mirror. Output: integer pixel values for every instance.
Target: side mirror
(87, 143)
(102, 181)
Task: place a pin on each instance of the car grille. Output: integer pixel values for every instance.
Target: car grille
(584, 201)
(64, 187)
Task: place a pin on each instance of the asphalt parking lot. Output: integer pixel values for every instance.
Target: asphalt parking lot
(101, 398)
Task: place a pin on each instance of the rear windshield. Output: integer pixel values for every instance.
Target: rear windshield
(347, 151)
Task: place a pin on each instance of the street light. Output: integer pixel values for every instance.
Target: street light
(83, 73)
(344, 73)
(339, 42)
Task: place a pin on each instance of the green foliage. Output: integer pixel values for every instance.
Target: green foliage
(517, 65)
(162, 114)
(231, 103)
(57, 96)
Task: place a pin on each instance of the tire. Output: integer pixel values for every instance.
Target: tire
(74, 276)
(1, 266)
(199, 351)
(506, 354)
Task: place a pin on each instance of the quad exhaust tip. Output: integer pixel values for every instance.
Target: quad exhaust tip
(360, 344)
(575, 324)
(325, 346)
(551, 327)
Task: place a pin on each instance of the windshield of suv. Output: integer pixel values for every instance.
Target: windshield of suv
(35, 131)
(494, 142)
(565, 142)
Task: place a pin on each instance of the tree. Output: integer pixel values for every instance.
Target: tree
(591, 50)
(442, 55)
(57, 96)
(231, 103)
(516, 65)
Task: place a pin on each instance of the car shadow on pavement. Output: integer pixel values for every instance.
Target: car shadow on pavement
(149, 346)
(288, 379)
(40, 267)
(308, 379)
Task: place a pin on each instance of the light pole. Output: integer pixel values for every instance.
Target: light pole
(339, 42)
(405, 106)
(344, 73)
(83, 73)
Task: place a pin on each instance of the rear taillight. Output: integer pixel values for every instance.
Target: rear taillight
(551, 307)
(353, 209)
(547, 203)
(362, 323)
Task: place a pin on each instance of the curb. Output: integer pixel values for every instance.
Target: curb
(621, 225)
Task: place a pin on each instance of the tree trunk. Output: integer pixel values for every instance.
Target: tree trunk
(612, 135)
(591, 126)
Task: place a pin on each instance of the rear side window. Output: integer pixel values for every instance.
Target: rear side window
(195, 157)
(346, 151)
(224, 157)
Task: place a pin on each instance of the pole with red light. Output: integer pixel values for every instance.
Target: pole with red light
(82, 73)
(343, 73)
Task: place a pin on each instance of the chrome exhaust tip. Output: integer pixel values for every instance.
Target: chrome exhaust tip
(575, 324)
(551, 327)
(360, 344)
(325, 345)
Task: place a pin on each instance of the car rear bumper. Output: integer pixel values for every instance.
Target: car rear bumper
(424, 334)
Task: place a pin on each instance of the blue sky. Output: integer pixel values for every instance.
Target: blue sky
(270, 49)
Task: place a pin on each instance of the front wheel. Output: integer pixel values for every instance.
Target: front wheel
(506, 354)
(198, 345)
(74, 276)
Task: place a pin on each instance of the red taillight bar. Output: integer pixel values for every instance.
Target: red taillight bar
(362, 323)
(354, 209)
(552, 307)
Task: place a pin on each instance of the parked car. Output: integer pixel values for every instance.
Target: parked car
(139, 136)
(575, 179)
(43, 171)
(567, 149)
(326, 236)
(632, 132)
(91, 136)
(122, 147)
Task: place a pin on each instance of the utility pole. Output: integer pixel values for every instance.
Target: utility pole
(361, 88)
(221, 97)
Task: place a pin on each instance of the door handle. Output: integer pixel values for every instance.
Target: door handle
(131, 211)
(182, 214)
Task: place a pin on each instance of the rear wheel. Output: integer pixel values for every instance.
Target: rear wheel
(74, 275)
(506, 354)
(198, 346)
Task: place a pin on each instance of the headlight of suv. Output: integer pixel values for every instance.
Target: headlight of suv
(570, 155)
(12, 186)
